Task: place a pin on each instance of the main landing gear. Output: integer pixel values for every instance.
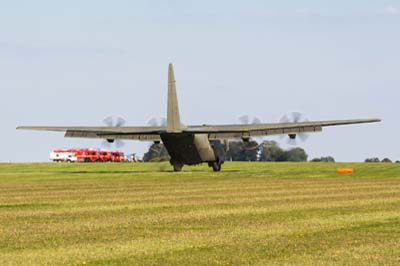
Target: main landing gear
(216, 166)
(178, 167)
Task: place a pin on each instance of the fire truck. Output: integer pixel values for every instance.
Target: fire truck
(88, 155)
(118, 156)
(111, 156)
(105, 156)
(68, 156)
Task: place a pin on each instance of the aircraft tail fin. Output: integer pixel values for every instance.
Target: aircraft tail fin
(173, 118)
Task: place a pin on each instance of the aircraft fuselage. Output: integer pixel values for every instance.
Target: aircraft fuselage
(190, 149)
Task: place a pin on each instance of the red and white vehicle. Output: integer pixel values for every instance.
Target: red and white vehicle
(118, 156)
(68, 156)
(105, 156)
(88, 155)
(111, 156)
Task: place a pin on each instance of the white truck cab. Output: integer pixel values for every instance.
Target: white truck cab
(63, 156)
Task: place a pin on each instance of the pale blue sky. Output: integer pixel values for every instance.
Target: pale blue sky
(76, 62)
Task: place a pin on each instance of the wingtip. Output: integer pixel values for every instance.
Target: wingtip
(371, 120)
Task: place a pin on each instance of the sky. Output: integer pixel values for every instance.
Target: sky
(73, 63)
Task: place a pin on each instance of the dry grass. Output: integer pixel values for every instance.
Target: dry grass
(249, 214)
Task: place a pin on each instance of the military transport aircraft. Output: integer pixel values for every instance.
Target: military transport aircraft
(190, 145)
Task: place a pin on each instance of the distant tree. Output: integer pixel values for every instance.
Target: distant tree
(242, 151)
(234, 150)
(271, 152)
(386, 160)
(328, 159)
(372, 160)
(397, 161)
(296, 155)
(156, 153)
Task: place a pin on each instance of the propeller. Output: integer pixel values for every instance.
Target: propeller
(114, 121)
(251, 120)
(294, 117)
(157, 122)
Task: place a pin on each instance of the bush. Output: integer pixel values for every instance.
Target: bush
(386, 160)
(373, 160)
(328, 159)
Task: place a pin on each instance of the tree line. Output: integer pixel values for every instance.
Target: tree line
(377, 160)
(251, 151)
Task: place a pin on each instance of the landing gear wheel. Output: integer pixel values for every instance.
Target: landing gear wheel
(216, 166)
(178, 167)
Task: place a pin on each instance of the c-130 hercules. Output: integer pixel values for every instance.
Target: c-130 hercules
(191, 145)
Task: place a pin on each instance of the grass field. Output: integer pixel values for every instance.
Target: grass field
(248, 214)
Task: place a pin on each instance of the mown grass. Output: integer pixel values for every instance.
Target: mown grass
(248, 214)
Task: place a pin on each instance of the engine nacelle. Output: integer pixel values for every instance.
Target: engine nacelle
(110, 140)
(292, 136)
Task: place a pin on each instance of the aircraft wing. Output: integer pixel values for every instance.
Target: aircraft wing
(130, 133)
(258, 130)
(213, 131)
